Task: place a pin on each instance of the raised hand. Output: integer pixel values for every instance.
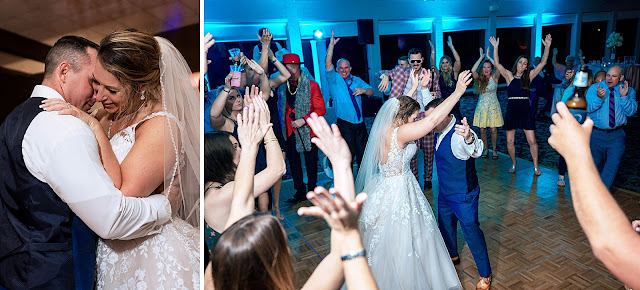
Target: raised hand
(624, 90)
(464, 130)
(250, 133)
(494, 41)
(333, 39)
(208, 43)
(255, 66)
(555, 50)
(265, 114)
(340, 215)
(415, 79)
(601, 92)
(227, 80)
(433, 50)
(450, 42)
(488, 52)
(568, 137)
(482, 52)
(547, 40)
(249, 93)
(329, 140)
(65, 108)
(464, 79)
(384, 84)
(266, 37)
(425, 79)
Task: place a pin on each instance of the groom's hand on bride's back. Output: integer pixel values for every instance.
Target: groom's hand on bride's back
(174, 195)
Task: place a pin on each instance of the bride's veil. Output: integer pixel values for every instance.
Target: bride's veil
(374, 152)
(182, 140)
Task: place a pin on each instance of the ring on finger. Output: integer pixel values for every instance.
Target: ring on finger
(68, 106)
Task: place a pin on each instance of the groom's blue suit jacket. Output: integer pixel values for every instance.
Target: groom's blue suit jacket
(36, 227)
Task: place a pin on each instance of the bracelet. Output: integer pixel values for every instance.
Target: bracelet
(267, 141)
(226, 90)
(473, 139)
(274, 61)
(355, 254)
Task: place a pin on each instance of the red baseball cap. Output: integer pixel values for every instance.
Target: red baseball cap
(291, 58)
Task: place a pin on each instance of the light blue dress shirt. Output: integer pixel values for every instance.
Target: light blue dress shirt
(598, 109)
(342, 100)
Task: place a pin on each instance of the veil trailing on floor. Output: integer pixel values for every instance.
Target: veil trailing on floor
(179, 98)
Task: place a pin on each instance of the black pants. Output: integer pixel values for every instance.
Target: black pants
(311, 162)
(356, 137)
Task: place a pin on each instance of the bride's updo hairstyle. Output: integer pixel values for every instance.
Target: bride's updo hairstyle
(407, 107)
(253, 254)
(133, 57)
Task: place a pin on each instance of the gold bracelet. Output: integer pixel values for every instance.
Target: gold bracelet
(267, 141)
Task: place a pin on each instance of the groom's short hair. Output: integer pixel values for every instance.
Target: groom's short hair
(72, 49)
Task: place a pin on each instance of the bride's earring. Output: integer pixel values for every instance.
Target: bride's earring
(142, 96)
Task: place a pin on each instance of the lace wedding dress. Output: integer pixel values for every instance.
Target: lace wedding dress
(168, 260)
(405, 249)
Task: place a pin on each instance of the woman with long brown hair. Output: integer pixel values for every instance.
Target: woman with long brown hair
(488, 113)
(518, 115)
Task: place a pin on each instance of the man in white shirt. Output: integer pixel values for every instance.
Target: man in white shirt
(51, 172)
(456, 147)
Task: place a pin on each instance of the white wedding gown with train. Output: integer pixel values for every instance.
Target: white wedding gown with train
(168, 260)
(405, 249)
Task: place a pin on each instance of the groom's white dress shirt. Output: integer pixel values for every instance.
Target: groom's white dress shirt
(459, 146)
(62, 151)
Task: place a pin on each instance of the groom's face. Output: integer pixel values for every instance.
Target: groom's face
(78, 90)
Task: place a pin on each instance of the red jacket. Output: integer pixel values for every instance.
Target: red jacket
(316, 106)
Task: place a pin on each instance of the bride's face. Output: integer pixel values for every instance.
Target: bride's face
(107, 89)
(236, 146)
(413, 117)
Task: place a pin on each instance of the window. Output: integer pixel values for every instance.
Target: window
(593, 40)
(514, 42)
(467, 44)
(627, 29)
(393, 47)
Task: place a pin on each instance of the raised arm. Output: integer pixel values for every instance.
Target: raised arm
(612, 239)
(328, 65)
(265, 87)
(495, 42)
(474, 69)
(545, 56)
(413, 131)
(555, 55)
(581, 57)
(496, 75)
(457, 63)
(208, 43)
(264, 54)
(217, 120)
(284, 72)
(434, 66)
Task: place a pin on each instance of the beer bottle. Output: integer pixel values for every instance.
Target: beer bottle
(578, 103)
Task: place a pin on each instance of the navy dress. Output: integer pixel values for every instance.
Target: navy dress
(446, 91)
(518, 115)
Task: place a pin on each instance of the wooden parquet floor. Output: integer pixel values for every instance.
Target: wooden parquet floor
(533, 236)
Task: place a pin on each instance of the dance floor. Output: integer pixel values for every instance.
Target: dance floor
(532, 233)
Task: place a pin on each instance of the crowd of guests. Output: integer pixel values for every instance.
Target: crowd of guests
(250, 132)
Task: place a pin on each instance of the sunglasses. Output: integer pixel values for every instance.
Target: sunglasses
(416, 61)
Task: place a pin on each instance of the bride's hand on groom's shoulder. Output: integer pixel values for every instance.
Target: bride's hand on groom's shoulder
(65, 108)
(340, 215)
(329, 140)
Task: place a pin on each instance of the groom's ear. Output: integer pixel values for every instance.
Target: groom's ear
(63, 71)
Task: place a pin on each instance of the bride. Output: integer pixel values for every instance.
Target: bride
(405, 249)
(148, 138)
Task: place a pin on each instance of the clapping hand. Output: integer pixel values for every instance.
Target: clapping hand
(415, 79)
(250, 131)
(464, 130)
(255, 66)
(208, 43)
(340, 215)
(624, 90)
(482, 52)
(425, 78)
(65, 108)
(464, 79)
(568, 137)
(329, 140)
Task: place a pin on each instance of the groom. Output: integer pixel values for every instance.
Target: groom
(456, 146)
(52, 180)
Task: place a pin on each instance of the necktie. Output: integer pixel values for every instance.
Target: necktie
(612, 109)
(348, 82)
